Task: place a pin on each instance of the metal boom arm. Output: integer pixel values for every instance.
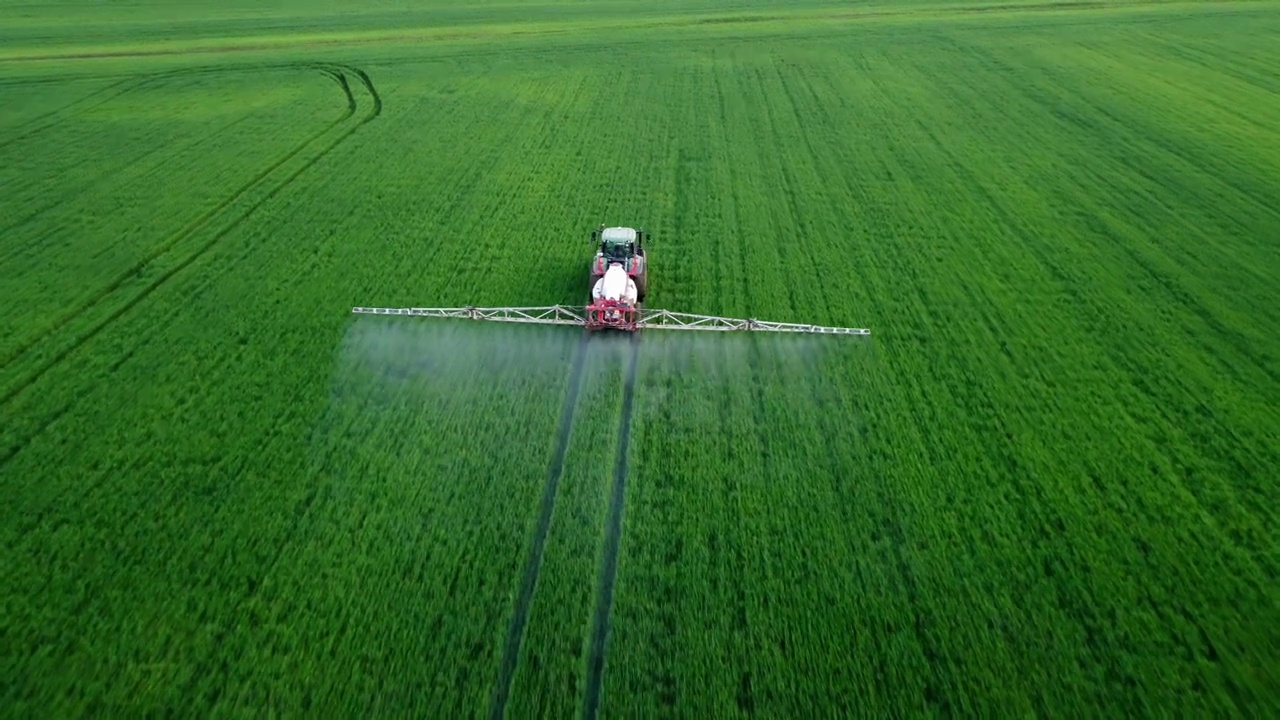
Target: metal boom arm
(551, 315)
(655, 319)
(667, 320)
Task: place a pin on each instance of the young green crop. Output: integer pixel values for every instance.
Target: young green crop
(549, 679)
(1042, 486)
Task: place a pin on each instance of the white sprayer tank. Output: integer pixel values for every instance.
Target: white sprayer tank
(615, 285)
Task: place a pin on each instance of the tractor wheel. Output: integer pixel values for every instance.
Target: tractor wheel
(642, 285)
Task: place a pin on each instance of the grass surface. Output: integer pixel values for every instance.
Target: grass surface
(1046, 484)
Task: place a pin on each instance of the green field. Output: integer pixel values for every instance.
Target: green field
(1046, 484)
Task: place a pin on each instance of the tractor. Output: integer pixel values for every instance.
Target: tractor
(619, 282)
(624, 246)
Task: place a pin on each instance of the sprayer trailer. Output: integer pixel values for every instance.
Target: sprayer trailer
(618, 283)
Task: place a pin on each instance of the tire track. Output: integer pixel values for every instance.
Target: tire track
(333, 71)
(515, 634)
(375, 111)
(128, 85)
(106, 177)
(612, 540)
(62, 79)
(186, 232)
(24, 130)
(133, 83)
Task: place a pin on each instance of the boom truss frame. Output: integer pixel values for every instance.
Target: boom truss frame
(649, 319)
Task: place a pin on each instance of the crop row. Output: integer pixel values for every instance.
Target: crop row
(1043, 484)
(1025, 499)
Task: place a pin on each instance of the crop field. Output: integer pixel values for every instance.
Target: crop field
(1047, 483)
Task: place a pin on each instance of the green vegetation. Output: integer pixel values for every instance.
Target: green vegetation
(1046, 484)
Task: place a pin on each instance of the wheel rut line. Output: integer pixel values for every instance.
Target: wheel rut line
(34, 126)
(7, 454)
(104, 178)
(520, 616)
(312, 496)
(133, 83)
(190, 229)
(199, 252)
(612, 542)
(333, 71)
(126, 86)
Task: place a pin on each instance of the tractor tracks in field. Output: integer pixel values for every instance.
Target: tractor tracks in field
(520, 616)
(51, 118)
(114, 91)
(612, 539)
(339, 73)
(612, 543)
(133, 83)
(103, 178)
